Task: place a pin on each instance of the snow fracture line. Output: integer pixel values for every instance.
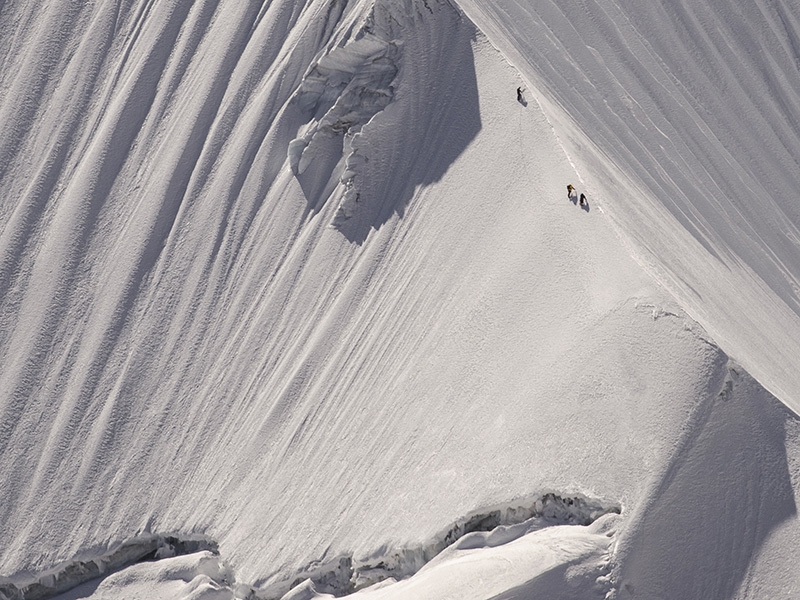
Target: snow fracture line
(344, 574)
(75, 572)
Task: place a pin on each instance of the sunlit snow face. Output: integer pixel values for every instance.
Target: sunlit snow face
(192, 341)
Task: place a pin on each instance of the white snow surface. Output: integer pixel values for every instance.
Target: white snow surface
(681, 118)
(199, 576)
(302, 277)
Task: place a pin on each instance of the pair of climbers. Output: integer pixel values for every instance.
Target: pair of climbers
(571, 195)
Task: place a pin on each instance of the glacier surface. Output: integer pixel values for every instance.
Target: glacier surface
(301, 277)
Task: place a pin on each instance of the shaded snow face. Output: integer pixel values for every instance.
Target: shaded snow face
(727, 496)
(187, 345)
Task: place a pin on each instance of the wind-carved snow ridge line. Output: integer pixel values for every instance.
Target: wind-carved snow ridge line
(341, 93)
(486, 528)
(75, 572)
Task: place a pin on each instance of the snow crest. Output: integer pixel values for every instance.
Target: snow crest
(487, 528)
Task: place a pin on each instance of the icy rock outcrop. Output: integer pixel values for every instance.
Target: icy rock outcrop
(343, 91)
(354, 81)
(75, 572)
(340, 94)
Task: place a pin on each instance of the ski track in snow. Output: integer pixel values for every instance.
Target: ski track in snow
(311, 349)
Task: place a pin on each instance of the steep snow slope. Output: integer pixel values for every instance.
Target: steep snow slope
(682, 119)
(303, 278)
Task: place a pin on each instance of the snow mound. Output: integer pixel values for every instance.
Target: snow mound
(73, 573)
(198, 576)
(557, 562)
(482, 529)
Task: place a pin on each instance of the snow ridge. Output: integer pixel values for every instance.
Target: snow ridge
(489, 527)
(340, 576)
(75, 572)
